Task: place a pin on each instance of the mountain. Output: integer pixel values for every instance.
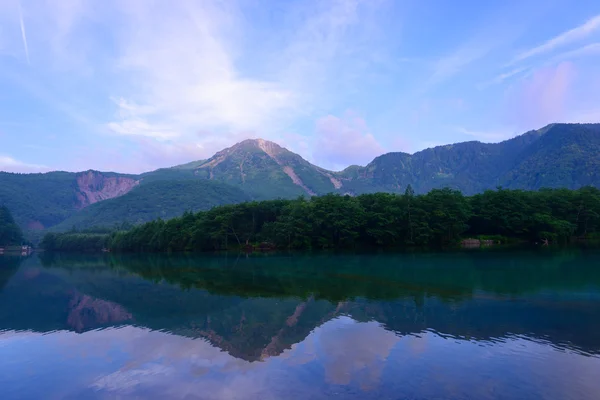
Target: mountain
(38, 201)
(158, 199)
(256, 307)
(251, 170)
(558, 155)
(266, 170)
(564, 156)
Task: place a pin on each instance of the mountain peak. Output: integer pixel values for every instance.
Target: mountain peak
(255, 162)
(265, 145)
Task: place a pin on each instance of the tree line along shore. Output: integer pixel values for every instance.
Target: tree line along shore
(439, 218)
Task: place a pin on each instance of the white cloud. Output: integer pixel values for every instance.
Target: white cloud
(182, 71)
(140, 127)
(192, 74)
(9, 164)
(348, 357)
(565, 38)
(544, 97)
(341, 142)
(181, 65)
(157, 364)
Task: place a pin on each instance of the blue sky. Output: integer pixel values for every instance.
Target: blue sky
(135, 85)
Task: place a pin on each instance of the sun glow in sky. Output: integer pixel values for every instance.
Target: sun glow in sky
(136, 85)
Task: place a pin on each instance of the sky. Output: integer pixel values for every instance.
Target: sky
(131, 86)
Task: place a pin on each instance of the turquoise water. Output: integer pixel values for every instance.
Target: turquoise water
(459, 325)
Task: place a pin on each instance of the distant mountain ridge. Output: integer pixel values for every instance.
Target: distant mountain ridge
(558, 155)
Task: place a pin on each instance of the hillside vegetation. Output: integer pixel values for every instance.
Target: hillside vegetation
(44, 199)
(556, 156)
(10, 233)
(438, 218)
(159, 199)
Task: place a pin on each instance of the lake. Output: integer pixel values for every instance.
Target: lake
(478, 324)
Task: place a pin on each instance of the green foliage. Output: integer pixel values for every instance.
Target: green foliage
(74, 242)
(559, 155)
(41, 199)
(10, 233)
(158, 199)
(241, 303)
(259, 168)
(567, 155)
(441, 217)
(554, 214)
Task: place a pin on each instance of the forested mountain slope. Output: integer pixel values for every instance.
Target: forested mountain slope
(39, 201)
(558, 155)
(159, 199)
(10, 233)
(266, 170)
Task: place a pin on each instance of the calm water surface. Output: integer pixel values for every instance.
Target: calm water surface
(465, 325)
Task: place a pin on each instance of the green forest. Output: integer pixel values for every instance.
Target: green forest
(441, 217)
(154, 199)
(10, 233)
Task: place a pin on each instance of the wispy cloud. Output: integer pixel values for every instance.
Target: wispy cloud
(450, 65)
(23, 34)
(592, 49)
(340, 142)
(190, 79)
(195, 74)
(166, 83)
(563, 39)
(542, 98)
(587, 50)
(488, 36)
(9, 164)
(486, 136)
(502, 77)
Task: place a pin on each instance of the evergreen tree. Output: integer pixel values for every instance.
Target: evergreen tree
(439, 218)
(10, 233)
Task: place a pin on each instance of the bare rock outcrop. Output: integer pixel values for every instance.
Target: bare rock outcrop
(86, 312)
(94, 186)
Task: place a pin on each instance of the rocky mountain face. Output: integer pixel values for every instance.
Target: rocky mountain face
(86, 312)
(93, 186)
(255, 310)
(267, 170)
(555, 156)
(152, 200)
(559, 155)
(39, 201)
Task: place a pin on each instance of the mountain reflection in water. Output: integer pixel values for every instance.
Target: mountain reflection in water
(465, 325)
